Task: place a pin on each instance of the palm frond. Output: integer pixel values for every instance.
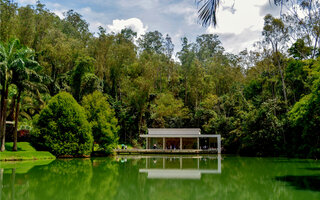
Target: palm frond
(3, 52)
(207, 13)
(12, 45)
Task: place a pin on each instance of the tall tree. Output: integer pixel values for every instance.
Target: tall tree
(25, 76)
(13, 58)
(275, 33)
(83, 79)
(7, 15)
(169, 46)
(152, 41)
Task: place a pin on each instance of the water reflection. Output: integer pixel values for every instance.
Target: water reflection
(181, 167)
(160, 177)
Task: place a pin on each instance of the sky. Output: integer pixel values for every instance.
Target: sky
(240, 22)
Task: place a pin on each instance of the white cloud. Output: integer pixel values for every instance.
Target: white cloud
(57, 9)
(134, 23)
(237, 42)
(185, 9)
(27, 2)
(246, 15)
(144, 4)
(240, 28)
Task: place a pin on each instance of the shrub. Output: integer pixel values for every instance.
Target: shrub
(62, 128)
(102, 120)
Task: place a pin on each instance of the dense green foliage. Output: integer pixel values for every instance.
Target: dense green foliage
(304, 117)
(62, 127)
(263, 101)
(102, 120)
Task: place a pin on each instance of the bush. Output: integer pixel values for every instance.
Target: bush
(62, 128)
(102, 120)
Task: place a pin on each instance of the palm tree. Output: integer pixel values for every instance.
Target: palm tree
(16, 65)
(207, 12)
(25, 76)
(7, 60)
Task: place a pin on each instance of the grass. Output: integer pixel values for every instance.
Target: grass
(25, 152)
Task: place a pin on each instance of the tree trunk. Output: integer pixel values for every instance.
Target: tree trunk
(282, 79)
(3, 120)
(1, 109)
(283, 86)
(16, 117)
(1, 181)
(185, 91)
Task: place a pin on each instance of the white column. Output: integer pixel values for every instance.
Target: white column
(147, 143)
(181, 143)
(219, 144)
(164, 143)
(198, 143)
(219, 163)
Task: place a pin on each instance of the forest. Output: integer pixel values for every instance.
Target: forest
(263, 101)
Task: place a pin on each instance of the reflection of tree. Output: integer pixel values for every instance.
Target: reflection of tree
(131, 185)
(62, 179)
(13, 180)
(104, 178)
(104, 182)
(251, 178)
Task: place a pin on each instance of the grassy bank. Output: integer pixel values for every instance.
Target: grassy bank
(25, 152)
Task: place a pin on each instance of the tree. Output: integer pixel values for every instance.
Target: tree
(102, 119)
(76, 26)
(304, 21)
(152, 41)
(299, 50)
(207, 46)
(24, 76)
(128, 34)
(26, 26)
(83, 80)
(167, 111)
(275, 33)
(7, 14)
(62, 128)
(304, 119)
(14, 59)
(169, 46)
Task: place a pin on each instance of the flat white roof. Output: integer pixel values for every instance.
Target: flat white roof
(174, 131)
(178, 136)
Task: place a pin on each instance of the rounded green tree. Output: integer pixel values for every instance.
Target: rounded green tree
(102, 120)
(62, 128)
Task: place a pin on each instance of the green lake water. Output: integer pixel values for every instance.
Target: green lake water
(161, 177)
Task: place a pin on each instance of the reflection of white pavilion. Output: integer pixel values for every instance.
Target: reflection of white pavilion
(180, 172)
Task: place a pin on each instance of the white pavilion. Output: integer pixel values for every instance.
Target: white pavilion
(181, 139)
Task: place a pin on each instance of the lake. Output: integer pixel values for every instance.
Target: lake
(161, 177)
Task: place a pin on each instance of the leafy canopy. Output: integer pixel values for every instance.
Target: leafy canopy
(62, 127)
